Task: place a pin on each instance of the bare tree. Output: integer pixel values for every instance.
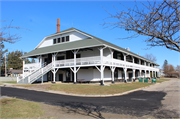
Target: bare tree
(150, 57)
(7, 36)
(159, 21)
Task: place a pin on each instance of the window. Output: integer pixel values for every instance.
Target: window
(54, 41)
(62, 39)
(59, 40)
(78, 56)
(67, 38)
(60, 58)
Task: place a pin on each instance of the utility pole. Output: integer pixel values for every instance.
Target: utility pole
(5, 64)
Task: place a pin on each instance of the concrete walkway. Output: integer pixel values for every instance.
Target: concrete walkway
(171, 102)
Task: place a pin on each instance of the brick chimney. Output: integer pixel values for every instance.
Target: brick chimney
(58, 25)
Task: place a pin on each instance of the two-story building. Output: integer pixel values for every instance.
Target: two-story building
(73, 55)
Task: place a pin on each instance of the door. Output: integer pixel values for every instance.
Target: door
(60, 77)
(68, 75)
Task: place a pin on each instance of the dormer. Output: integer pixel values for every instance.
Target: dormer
(65, 36)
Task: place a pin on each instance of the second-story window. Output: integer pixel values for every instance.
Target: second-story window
(59, 40)
(62, 39)
(67, 38)
(54, 41)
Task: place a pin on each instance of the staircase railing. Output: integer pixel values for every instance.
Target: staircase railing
(36, 74)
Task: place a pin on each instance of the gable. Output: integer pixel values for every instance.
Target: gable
(73, 36)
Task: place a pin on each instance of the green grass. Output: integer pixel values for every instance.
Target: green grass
(17, 108)
(96, 89)
(13, 82)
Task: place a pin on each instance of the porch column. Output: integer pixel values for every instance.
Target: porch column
(102, 69)
(132, 59)
(54, 76)
(23, 66)
(140, 73)
(134, 74)
(112, 65)
(139, 62)
(75, 71)
(125, 71)
(155, 74)
(144, 63)
(145, 74)
(40, 61)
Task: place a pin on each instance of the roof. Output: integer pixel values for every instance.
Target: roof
(85, 43)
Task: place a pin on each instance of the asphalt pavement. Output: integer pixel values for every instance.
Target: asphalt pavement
(142, 103)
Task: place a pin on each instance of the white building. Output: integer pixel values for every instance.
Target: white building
(73, 55)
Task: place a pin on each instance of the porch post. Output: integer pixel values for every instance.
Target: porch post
(134, 74)
(42, 76)
(139, 73)
(152, 74)
(23, 66)
(102, 71)
(155, 74)
(112, 65)
(139, 62)
(75, 71)
(145, 74)
(125, 70)
(41, 69)
(132, 59)
(54, 73)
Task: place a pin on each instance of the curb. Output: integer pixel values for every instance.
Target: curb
(80, 95)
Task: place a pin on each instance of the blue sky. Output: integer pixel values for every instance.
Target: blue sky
(40, 19)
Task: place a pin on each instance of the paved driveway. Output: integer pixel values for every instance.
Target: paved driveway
(161, 100)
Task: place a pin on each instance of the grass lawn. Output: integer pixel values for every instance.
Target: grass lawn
(96, 89)
(13, 82)
(92, 89)
(17, 108)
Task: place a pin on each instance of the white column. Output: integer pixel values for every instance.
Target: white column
(23, 66)
(139, 73)
(133, 59)
(42, 76)
(145, 74)
(125, 71)
(102, 70)
(144, 63)
(75, 52)
(133, 73)
(40, 61)
(139, 61)
(152, 74)
(155, 74)
(54, 78)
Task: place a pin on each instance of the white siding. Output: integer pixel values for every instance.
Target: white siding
(86, 74)
(93, 74)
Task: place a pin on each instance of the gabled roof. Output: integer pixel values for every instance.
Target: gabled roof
(85, 43)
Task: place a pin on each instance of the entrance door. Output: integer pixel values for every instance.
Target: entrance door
(60, 77)
(68, 75)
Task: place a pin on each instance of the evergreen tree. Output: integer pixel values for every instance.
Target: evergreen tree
(164, 66)
(13, 60)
